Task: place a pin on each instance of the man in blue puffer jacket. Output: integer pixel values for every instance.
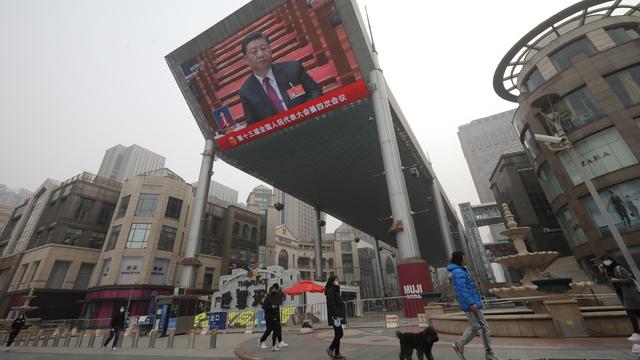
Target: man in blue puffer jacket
(470, 302)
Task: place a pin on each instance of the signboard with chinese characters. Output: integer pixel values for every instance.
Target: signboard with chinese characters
(487, 214)
(500, 249)
(245, 290)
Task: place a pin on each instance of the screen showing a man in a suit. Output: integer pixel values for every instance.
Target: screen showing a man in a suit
(287, 66)
(272, 88)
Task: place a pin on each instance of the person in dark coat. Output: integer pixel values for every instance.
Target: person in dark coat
(271, 307)
(117, 322)
(625, 287)
(16, 326)
(335, 315)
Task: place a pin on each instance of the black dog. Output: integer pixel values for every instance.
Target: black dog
(422, 342)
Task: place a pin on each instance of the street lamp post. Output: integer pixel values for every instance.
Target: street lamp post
(560, 142)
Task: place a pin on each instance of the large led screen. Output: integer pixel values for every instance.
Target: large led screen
(290, 65)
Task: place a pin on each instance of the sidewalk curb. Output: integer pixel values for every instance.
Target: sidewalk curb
(243, 355)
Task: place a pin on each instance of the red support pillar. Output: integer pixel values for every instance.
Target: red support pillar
(415, 279)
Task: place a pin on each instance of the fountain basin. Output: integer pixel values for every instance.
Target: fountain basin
(558, 284)
(431, 297)
(536, 259)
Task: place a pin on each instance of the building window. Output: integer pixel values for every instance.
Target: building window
(243, 255)
(58, 274)
(236, 228)
(159, 271)
(23, 273)
(55, 195)
(83, 209)
(210, 246)
(283, 259)
(562, 58)
(245, 232)
(34, 271)
(576, 109)
(626, 84)
(84, 275)
(71, 236)
(167, 238)
(623, 34)
(138, 236)
(96, 240)
(208, 278)
(304, 262)
(4, 276)
(549, 182)
(531, 144)
(124, 204)
(104, 272)
(146, 205)
(113, 239)
(600, 153)
(254, 233)
(623, 204)
(106, 212)
(534, 79)
(174, 207)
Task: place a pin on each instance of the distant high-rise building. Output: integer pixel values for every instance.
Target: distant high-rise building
(13, 197)
(298, 216)
(514, 182)
(122, 162)
(483, 141)
(218, 191)
(260, 198)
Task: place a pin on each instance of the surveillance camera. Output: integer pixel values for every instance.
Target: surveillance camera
(414, 172)
(356, 239)
(548, 139)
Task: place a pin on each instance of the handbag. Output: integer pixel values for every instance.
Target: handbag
(337, 322)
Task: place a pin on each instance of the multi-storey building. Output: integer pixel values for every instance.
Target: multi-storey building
(580, 69)
(483, 141)
(145, 246)
(298, 216)
(514, 182)
(124, 162)
(221, 192)
(60, 244)
(353, 261)
(260, 198)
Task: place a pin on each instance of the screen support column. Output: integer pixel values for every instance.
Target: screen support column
(190, 262)
(413, 273)
(318, 245)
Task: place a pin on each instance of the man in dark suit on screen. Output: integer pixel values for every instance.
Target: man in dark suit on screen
(272, 88)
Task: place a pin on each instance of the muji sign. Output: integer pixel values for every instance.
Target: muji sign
(415, 279)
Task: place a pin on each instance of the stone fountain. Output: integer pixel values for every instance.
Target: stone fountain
(534, 282)
(26, 307)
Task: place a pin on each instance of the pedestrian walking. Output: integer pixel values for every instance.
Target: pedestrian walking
(625, 287)
(117, 322)
(335, 315)
(271, 307)
(470, 302)
(16, 326)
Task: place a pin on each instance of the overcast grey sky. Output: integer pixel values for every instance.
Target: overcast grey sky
(81, 76)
